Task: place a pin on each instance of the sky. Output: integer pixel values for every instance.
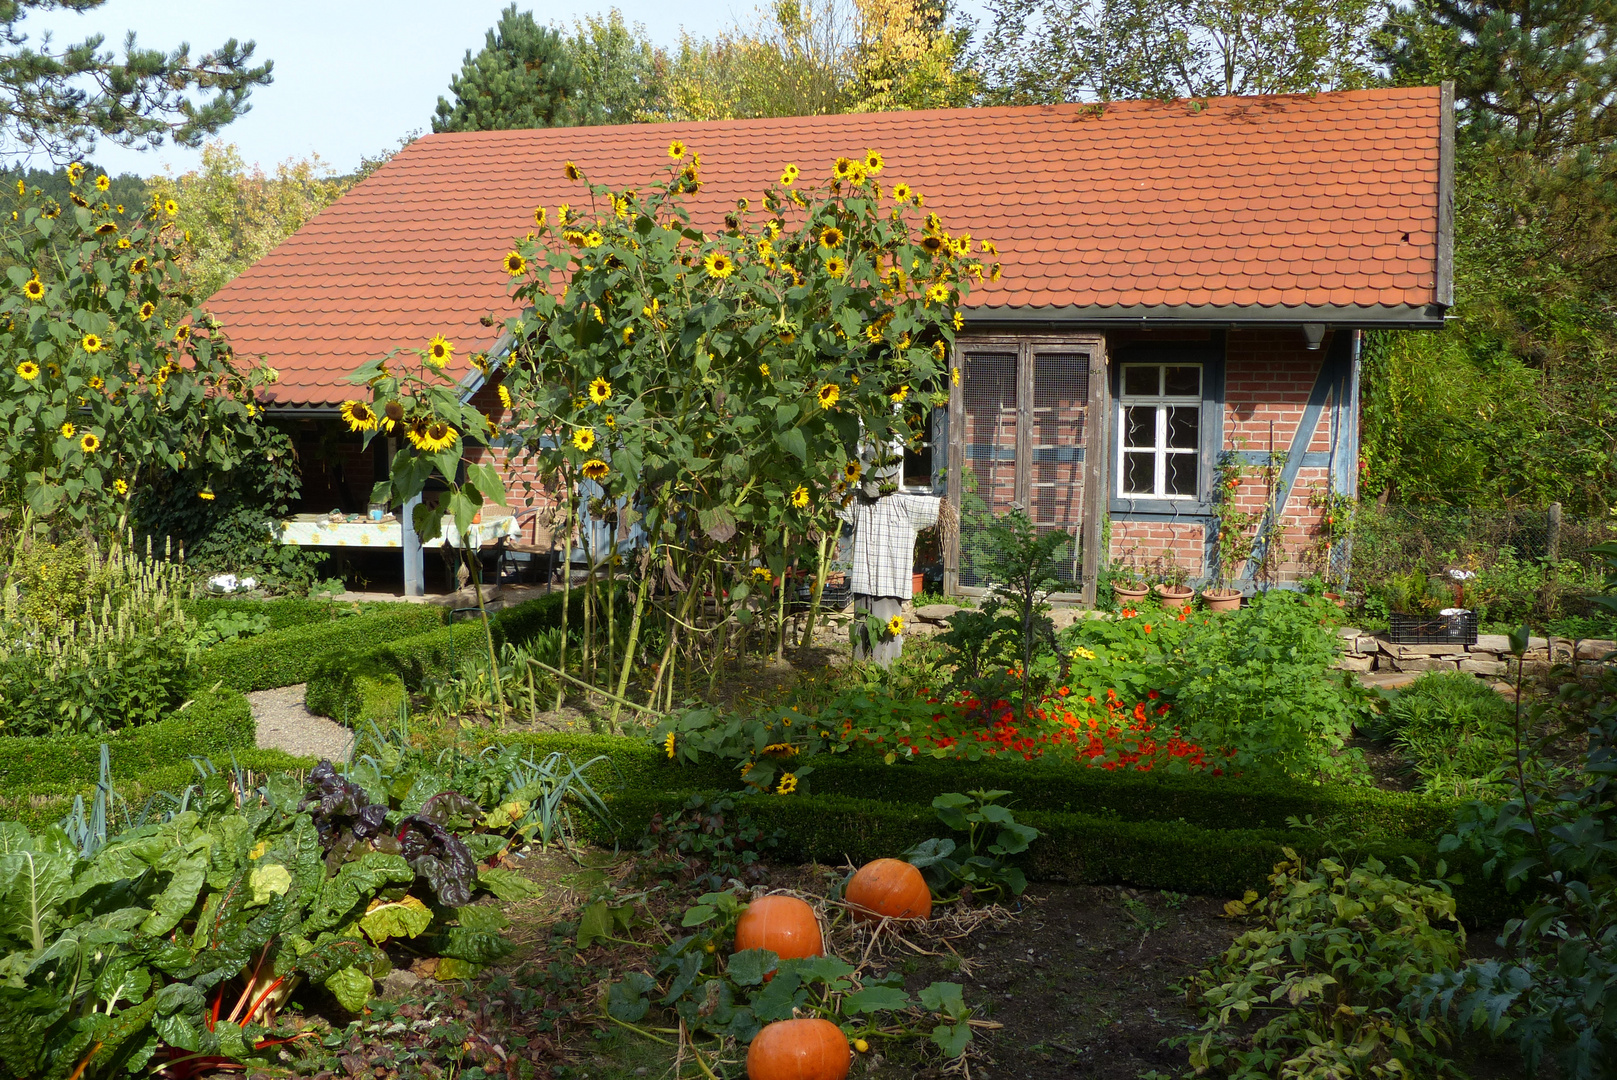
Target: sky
(352, 77)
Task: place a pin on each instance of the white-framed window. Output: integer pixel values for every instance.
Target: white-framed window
(1159, 431)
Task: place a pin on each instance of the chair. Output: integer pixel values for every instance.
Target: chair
(524, 556)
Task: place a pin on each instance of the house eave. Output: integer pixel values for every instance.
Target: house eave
(1213, 317)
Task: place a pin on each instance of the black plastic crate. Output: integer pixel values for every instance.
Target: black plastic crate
(1457, 629)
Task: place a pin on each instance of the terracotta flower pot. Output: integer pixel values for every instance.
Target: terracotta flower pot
(918, 584)
(1336, 599)
(1173, 594)
(1221, 599)
(1129, 593)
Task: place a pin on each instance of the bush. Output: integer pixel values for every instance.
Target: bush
(370, 685)
(1455, 730)
(1316, 988)
(214, 723)
(290, 656)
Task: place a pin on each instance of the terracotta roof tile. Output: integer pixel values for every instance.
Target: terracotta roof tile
(1269, 201)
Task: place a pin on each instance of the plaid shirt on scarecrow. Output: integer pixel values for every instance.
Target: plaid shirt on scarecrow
(884, 542)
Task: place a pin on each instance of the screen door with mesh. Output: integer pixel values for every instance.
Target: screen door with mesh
(1020, 440)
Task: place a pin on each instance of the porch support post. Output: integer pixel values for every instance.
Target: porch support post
(414, 566)
(1097, 440)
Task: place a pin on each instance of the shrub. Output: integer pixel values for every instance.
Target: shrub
(1455, 730)
(370, 684)
(1315, 988)
(290, 656)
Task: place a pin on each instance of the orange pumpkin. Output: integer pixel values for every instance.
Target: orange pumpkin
(784, 925)
(889, 888)
(799, 1050)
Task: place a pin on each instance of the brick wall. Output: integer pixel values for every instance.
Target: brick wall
(1268, 376)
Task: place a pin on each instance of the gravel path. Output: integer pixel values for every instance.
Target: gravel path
(284, 724)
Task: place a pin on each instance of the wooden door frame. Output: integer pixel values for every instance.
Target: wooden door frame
(1097, 424)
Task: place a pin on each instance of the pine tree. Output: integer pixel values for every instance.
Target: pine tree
(523, 78)
(1538, 76)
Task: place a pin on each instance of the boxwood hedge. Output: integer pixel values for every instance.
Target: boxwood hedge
(289, 656)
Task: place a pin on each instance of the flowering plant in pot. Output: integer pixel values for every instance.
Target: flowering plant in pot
(1235, 536)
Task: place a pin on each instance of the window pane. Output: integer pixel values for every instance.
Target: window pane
(1140, 379)
(1140, 425)
(1139, 474)
(1184, 381)
(1184, 426)
(1179, 474)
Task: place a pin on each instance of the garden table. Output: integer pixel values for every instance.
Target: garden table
(318, 530)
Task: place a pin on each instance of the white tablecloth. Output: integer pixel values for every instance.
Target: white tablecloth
(317, 531)
(487, 531)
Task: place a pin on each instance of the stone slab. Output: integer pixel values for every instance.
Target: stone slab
(1424, 663)
(1387, 680)
(1596, 649)
(1355, 663)
(935, 613)
(1497, 643)
(1484, 667)
(1401, 652)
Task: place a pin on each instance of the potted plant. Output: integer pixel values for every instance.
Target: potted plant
(1128, 584)
(1235, 537)
(1170, 581)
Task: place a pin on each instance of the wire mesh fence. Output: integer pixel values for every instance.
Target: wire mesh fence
(1524, 564)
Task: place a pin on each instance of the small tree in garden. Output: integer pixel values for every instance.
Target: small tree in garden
(110, 376)
(715, 387)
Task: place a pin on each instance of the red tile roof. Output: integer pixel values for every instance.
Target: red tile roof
(1279, 202)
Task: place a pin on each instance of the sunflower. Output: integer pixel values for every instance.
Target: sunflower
(91, 343)
(676, 149)
(28, 371)
(596, 469)
(95, 382)
(123, 243)
(829, 393)
(569, 170)
(843, 168)
(564, 214)
(120, 487)
(440, 351)
(831, 237)
(433, 437)
(835, 266)
(789, 175)
(763, 369)
(932, 244)
(33, 288)
(539, 216)
(954, 375)
(895, 625)
(901, 192)
(800, 496)
(609, 421)
(89, 443)
(146, 310)
(873, 332)
(515, 264)
(959, 320)
(787, 785)
(102, 183)
(68, 431)
(917, 198)
(718, 265)
(762, 575)
(857, 175)
(938, 294)
(106, 227)
(206, 494)
(505, 395)
(182, 333)
(584, 439)
(897, 396)
(79, 200)
(851, 471)
(593, 239)
(360, 416)
(139, 265)
(600, 390)
(75, 173)
(53, 210)
(873, 162)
